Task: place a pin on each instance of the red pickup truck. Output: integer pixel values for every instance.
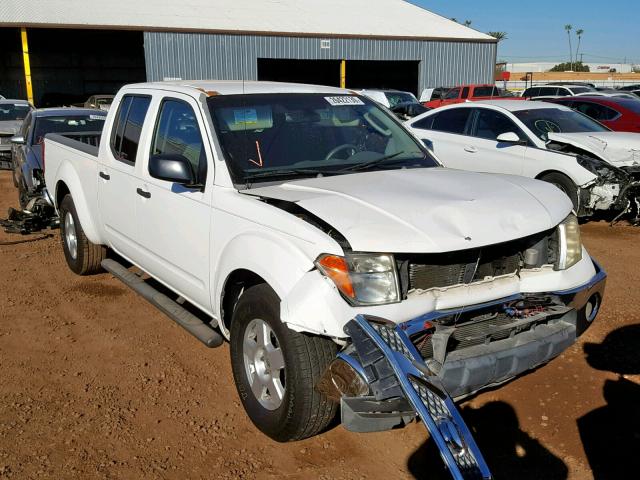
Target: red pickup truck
(464, 93)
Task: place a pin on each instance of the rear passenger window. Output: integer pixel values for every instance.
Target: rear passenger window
(128, 126)
(177, 133)
(452, 121)
(595, 111)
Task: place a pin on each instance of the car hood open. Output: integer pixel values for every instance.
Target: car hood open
(621, 149)
(426, 210)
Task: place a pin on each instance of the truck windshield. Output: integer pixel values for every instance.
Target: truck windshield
(67, 124)
(395, 98)
(13, 111)
(266, 135)
(542, 121)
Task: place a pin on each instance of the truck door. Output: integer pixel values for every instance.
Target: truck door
(174, 220)
(117, 176)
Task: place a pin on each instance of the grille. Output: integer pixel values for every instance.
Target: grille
(426, 271)
(438, 411)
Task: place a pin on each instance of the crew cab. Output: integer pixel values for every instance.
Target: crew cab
(279, 214)
(465, 93)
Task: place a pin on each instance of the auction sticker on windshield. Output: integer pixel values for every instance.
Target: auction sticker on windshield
(343, 100)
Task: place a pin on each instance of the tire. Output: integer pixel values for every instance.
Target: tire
(83, 257)
(301, 411)
(565, 184)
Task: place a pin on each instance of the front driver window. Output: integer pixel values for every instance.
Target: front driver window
(491, 124)
(177, 133)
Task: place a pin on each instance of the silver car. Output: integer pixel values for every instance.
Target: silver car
(12, 113)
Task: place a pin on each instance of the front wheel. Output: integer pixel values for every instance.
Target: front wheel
(276, 369)
(83, 257)
(565, 184)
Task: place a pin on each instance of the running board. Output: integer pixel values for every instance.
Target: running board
(172, 309)
(395, 369)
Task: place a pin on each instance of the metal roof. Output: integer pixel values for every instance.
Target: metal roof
(331, 18)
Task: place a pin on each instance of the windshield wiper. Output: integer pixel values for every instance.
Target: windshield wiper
(370, 163)
(289, 172)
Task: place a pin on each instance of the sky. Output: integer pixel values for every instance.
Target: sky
(535, 29)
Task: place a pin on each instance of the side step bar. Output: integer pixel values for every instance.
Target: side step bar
(172, 309)
(395, 369)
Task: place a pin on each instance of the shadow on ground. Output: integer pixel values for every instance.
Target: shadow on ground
(509, 452)
(611, 434)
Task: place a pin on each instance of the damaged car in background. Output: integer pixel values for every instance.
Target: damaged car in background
(346, 267)
(12, 113)
(599, 170)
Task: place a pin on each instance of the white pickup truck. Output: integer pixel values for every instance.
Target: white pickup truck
(274, 214)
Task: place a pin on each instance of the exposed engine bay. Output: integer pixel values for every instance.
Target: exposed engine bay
(616, 190)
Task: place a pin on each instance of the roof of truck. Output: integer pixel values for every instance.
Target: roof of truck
(238, 87)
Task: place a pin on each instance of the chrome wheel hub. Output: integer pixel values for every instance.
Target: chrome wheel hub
(264, 364)
(70, 237)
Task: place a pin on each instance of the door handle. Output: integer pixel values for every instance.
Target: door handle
(104, 175)
(143, 193)
(471, 149)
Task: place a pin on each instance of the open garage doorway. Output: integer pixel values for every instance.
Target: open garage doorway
(12, 82)
(68, 66)
(317, 72)
(398, 75)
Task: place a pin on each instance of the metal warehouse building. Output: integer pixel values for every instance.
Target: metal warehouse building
(65, 50)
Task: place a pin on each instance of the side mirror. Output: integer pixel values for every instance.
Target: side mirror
(18, 140)
(172, 168)
(508, 137)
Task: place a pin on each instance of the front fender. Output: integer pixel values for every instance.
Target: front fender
(278, 260)
(67, 176)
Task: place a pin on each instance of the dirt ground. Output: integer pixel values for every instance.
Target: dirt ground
(96, 383)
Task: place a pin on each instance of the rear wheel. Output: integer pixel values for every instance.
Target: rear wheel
(83, 257)
(565, 184)
(276, 369)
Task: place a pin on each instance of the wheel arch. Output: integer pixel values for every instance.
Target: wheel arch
(69, 184)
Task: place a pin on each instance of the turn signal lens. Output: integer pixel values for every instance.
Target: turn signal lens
(336, 269)
(363, 278)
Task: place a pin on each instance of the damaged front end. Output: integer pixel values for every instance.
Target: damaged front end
(390, 374)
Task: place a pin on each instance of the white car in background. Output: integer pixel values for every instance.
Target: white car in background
(389, 98)
(598, 169)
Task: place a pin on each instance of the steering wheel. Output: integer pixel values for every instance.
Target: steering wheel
(339, 148)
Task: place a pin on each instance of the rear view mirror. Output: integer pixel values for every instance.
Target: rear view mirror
(508, 137)
(18, 140)
(172, 168)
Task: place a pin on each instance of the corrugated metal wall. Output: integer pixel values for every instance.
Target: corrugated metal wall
(229, 57)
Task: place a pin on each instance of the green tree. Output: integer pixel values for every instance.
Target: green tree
(573, 66)
(500, 36)
(579, 33)
(568, 29)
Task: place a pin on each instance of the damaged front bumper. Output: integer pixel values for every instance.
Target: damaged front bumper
(465, 350)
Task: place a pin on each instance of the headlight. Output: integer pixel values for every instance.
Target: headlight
(569, 243)
(363, 279)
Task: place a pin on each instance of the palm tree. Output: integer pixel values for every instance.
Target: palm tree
(579, 33)
(568, 29)
(500, 36)
(467, 23)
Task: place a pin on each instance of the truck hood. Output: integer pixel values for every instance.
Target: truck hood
(426, 210)
(10, 127)
(621, 149)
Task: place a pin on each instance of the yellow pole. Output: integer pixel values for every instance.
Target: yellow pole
(343, 74)
(27, 64)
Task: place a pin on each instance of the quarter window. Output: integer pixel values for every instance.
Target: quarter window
(595, 111)
(177, 133)
(128, 123)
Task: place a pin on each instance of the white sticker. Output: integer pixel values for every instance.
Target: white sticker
(343, 100)
(97, 117)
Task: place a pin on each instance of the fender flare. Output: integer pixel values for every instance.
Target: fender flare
(67, 176)
(276, 259)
